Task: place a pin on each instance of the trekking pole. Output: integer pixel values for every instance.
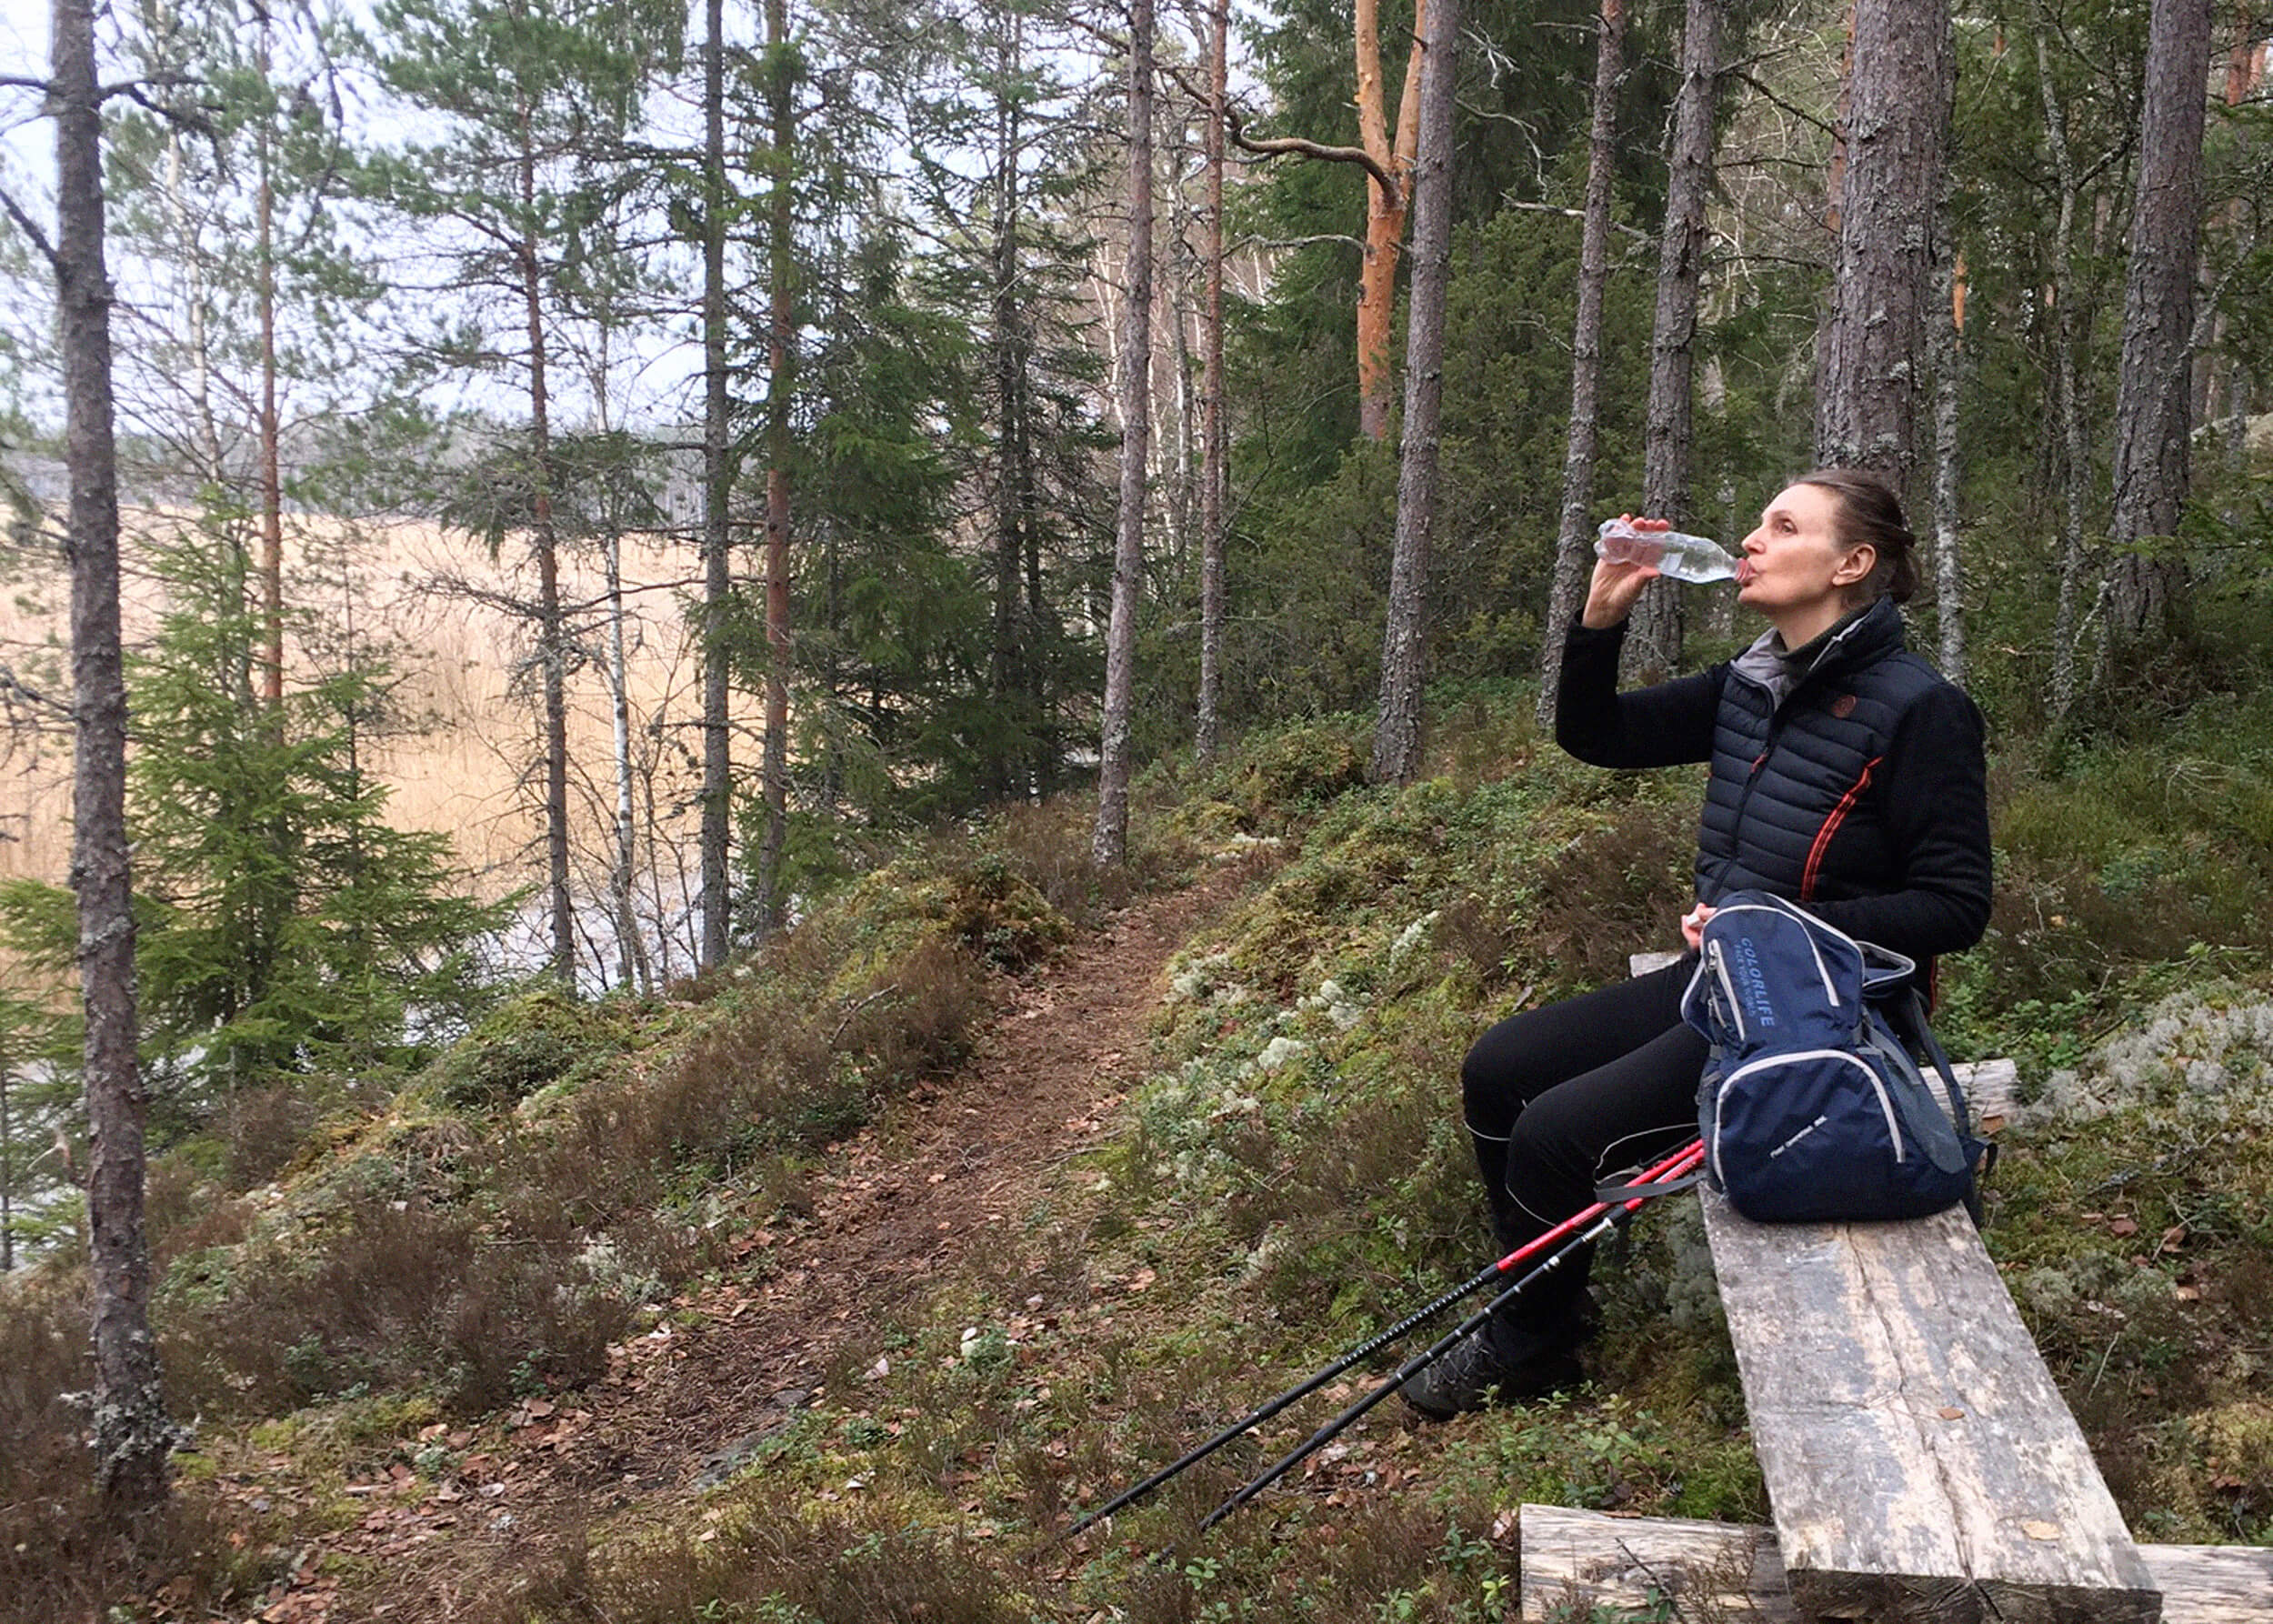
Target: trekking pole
(1673, 1166)
(1609, 1217)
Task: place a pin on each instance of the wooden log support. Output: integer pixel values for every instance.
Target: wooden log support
(1575, 1561)
(1921, 1462)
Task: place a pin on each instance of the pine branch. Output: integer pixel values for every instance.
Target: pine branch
(16, 692)
(1271, 146)
(30, 228)
(1572, 214)
(1775, 100)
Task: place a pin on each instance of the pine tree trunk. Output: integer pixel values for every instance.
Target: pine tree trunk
(2070, 333)
(7, 1176)
(1655, 642)
(1396, 739)
(1213, 473)
(1012, 772)
(1009, 775)
(1872, 354)
(1109, 841)
(2152, 419)
(1948, 374)
(781, 360)
(270, 430)
(1177, 475)
(631, 958)
(717, 790)
(1572, 550)
(133, 1436)
(1386, 208)
(552, 640)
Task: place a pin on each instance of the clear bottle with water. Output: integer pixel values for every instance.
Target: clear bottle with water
(1692, 558)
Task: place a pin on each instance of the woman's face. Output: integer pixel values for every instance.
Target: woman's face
(1795, 568)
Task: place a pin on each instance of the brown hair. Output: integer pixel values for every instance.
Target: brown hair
(1871, 515)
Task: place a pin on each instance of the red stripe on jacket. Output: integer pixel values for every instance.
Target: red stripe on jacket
(1830, 827)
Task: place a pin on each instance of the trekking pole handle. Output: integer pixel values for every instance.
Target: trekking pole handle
(1605, 1223)
(1671, 1168)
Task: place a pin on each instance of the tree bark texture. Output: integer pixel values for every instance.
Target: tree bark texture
(2152, 408)
(781, 361)
(1572, 550)
(1012, 774)
(132, 1436)
(7, 1179)
(717, 791)
(271, 428)
(1386, 208)
(2071, 330)
(1396, 739)
(552, 642)
(1871, 358)
(1948, 465)
(1110, 843)
(1655, 642)
(631, 958)
(1214, 474)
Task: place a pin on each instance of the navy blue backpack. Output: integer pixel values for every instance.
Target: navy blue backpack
(1812, 1106)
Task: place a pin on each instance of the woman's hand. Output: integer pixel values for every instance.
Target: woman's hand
(1610, 595)
(1693, 924)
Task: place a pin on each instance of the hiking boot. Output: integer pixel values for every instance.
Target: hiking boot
(1494, 1364)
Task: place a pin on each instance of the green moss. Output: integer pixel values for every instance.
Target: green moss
(534, 1041)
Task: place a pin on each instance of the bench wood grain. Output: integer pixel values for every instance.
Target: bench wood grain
(1575, 1560)
(1921, 1462)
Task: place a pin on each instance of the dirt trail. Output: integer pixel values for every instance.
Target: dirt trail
(897, 1203)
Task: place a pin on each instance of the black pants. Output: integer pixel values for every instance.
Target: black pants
(1559, 1098)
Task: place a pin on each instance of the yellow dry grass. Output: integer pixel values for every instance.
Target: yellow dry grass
(464, 760)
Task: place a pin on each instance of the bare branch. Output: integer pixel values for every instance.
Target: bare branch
(187, 118)
(1775, 100)
(1343, 238)
(14, 692)
(30, 228)
(1272, 145)
(1572, 214)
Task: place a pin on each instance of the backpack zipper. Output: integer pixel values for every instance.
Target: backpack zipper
(1878, 1087)
(1728, 987)
(1823, 970)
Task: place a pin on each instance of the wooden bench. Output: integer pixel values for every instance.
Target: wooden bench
(1575, 1561)
(1921, 1465)
(1921, 1462)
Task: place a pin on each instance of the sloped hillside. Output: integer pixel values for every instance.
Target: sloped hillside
(837, 1288)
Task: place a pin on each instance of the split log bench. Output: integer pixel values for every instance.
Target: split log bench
(1723, 1572)
(1921, 1465)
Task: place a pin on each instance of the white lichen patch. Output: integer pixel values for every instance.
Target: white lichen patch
(1206, 981)
(2206, 1055)
(1412, 937)
(1338, 1005)
(610, 1272)
(1278, 1051)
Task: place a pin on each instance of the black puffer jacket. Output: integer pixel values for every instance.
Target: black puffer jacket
(1849, 777)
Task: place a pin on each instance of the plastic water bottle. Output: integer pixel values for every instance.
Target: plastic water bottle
(1691, 558)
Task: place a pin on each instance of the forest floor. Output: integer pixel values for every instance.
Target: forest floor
(683, 1405)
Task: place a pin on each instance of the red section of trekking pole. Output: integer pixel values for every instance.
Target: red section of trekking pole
(1680, 1162)
(1673, 1166)
(1606, 1217)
